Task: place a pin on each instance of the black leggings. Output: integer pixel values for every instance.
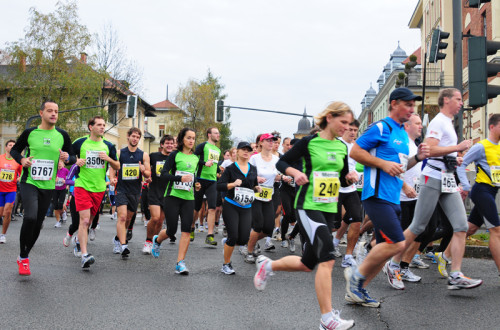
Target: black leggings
(58, 199)
(444, 230)
(178, 207)
(263, 217)
(238, 223)
(37, 202)
(287, 199)
(75, 217)
(145, 204)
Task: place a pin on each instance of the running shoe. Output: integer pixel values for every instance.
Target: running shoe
(201, 229)
(216, 230)
(181, 268)
(269, 246)
(224, 231)
(430, 256)
(349, 262)
(58, 224)
(462, 282)
(369, 301)
(336, 252)
(24, 266)
(223, 241)
(3, 239)
(67, 240)
(354, 286)
(262, 275)
(408, 276)
(87, 261)
(441, 261)
(276, 233)
(243, 250)
(257, 251)
(417, 262)
(336, 323)
(284, 244)
(155, 247)
(146, 249)
(77, 252)
(146, 223)
(393, 276)
(64, 216)
(249, 258)
(117, 248)
(125, 252)
(291, 244)
(360, 252)
(210, 241)
(91, 234)
(129, 234)
(228, 269)
(173, 239)
(191, 236)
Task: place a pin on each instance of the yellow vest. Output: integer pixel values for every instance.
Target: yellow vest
(492, 152)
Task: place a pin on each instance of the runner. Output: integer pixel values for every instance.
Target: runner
(239, 181)
(60, 192)
(262, 207)
(10, 171)
(437, 184)
(287, 194)
(206, 175)
(156, 191)
(94, 154)
(325, 168)
(46, 145)
(383, 149)
(179, 172)
(485, 155)
(134, 165)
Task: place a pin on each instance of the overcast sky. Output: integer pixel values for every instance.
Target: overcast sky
(277, 55)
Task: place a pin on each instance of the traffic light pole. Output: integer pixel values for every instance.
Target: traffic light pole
(424, 84)
(272, 111)
(457, 63)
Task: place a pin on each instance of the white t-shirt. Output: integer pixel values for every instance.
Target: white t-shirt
(352, 167)
(440, 128)
(412, 174)
(226, 163)
(265, 169)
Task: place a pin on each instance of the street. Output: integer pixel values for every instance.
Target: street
(144, 292)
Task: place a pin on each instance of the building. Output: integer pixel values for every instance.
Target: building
(166, 121)
(304, 127)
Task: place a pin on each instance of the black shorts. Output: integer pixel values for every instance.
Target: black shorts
(155, 197)
(208, 188)
(58, 199)
(318, 244)
(131, 200)
(352, 206)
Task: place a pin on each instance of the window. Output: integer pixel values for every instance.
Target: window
(161, 131)
(113, 114)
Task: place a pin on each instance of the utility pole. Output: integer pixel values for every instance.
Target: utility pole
(457, 62)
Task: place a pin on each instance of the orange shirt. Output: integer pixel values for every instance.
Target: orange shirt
(10, 170)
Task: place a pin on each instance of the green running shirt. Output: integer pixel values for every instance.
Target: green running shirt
(206, 151)
(177, 165)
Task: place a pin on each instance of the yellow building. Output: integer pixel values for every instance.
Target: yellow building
(168, 117)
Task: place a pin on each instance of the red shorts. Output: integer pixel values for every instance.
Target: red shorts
(85, 200)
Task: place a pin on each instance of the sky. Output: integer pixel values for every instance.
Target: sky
(276, 55)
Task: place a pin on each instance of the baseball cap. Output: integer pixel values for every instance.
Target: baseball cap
(244, 145)
(404, 94)
(266, 136)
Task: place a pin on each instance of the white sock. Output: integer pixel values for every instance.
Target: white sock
(393, 265)
(124, 246)
(268, 267)
(336, 241)
(268, 239)
(348, 256)
(327, 317)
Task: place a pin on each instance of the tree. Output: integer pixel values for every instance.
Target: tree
(45, 65)
(197, 99)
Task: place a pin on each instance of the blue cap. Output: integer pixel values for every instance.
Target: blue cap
(404, 94)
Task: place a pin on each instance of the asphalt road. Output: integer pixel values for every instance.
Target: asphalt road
(144, 292)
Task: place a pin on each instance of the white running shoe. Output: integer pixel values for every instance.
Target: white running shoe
(408, 276)
(243, 250)
(117, 248)
(57, 224)
(262, 275)
(146, 223)
(146, 249)
(393, 276)
(67, 240)
(336, 323)
(349, 262)
(91, 234)
(64, 216)
(3, 239)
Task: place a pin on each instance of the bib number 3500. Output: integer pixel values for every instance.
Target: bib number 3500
(326, 187)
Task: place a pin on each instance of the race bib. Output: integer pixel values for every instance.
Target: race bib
(92, 159)
(416, 184)
(159, 167)
(326, 187)
(403, 160)
(359, 184)
(7, 175)
(448, 183)
(495, 175)
(187, 186)
(265, 195)
(42, 169)
(243, 196)
(130, 171)
(213, 155)
(60, 182)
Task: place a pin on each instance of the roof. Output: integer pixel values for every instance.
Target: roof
(166, 104)
(417, 53)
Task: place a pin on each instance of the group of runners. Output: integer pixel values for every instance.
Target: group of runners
(322, 186)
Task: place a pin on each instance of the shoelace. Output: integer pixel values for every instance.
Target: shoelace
(397, 274)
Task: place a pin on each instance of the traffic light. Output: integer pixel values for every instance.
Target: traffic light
(219, 111)
(480, 70)
(476, 3)
(437, 45)
(131, 106)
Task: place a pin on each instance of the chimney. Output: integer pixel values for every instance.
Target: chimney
(22, 62)
(83, 57)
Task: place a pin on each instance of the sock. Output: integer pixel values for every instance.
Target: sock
(455, 273)
(326, 317)
(445, 258)
(393, 264)
(336, 241)
(268, 239)
(124, 246)
(347, 256)
(84, 255)
(358, 274)
(268, 267)
(417, 255)
(23, 258)
(404, 265)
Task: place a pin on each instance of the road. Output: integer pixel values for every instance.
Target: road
(144, 292)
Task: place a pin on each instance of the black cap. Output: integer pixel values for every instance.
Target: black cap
(404, 94)
(244, 145)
